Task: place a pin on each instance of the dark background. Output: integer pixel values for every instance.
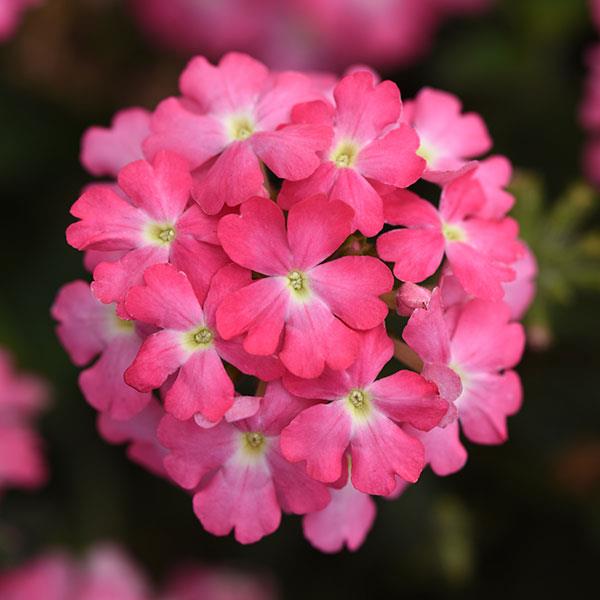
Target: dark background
(521, 520)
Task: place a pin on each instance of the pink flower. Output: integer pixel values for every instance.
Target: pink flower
(87, 328)
(479, 251)
(22, 397)
(232, 117)
(139, 432)
(187, 343)
(456, 344)
(306, 311)
(367, 146)
(11, 13)
(449, 139)
(105, 151)
(106, 572)
(345, 521)
(362, 416)
(242, 479)
(154, 226)
(519, 294)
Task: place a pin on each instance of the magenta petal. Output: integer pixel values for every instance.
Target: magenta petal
(408, 398)
(316, 229)
(345, 521)
(443, 449)
(256, 238)
(161, 189)
(161, 354)
(320, 182)
(266, 368)
(375, 350)
(416, 253)
(239, 498)
(195, 452)
(296, 492)
(233, 178)
(202, 386)
(351, 286)
(167, 299)
(258, 309)
(319, 435)
(393, 159)
(380, 451)
(291, 151)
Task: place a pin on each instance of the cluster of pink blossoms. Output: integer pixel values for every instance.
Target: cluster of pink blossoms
(241, 316)
(107, 573)
(309, 34)
(11, 13)
(590, 107)
(22, 397)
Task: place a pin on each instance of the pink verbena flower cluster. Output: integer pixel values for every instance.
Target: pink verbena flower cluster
(11, 13)
(22, 398)
(309, 34)
(107, 573)
(589, 113)
(242, 318)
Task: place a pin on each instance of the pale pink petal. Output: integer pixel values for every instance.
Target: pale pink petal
(241, 498)
(105, 151)
(103, 385)
(345, 521)
(443, 449)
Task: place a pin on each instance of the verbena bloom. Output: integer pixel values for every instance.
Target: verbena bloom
(240, 250)
(459, 340)
(479, 250)
(187, 343)
(367, 145)
(237, 116)
(243, 482)
(22, 398)
(449, 139)
(306, 310)
(345, 521)
(88, 329)
(153, 225)
(106, 150)
(360, 414)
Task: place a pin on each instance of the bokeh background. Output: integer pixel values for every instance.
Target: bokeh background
(521, 520)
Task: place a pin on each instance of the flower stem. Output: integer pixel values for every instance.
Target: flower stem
(406, 355)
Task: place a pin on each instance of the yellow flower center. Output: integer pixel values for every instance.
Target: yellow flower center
(199, 339)
(453, 233)
(240, 128)
(161, 233)
(298, 285)
(254, 441)
(359, 404)
(345, 155)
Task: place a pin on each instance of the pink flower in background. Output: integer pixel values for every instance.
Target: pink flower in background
(153, 225)
(455, 344)
(87, 329)
(307, 311)
(479, 251)
(448, 138)
(242, 480)
(304, 34)
(366, 146)
(105, 151)
(361, 415)
(22, 398)
(11, 13)
(230, 118)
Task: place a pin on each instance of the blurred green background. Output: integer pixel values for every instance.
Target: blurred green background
(521, 520)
